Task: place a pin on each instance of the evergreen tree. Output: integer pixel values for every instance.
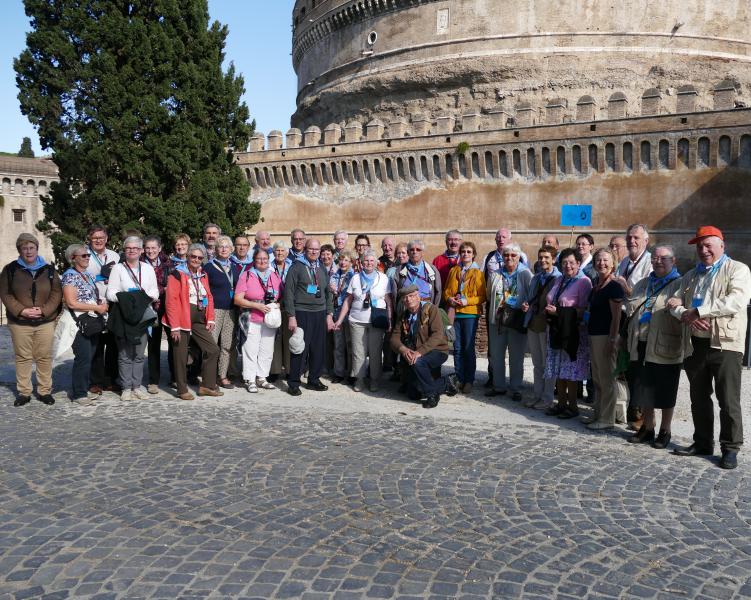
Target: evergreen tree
(131, 98)
(26, 150)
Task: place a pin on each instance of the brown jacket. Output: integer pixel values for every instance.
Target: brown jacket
(19, 290)
(430, 332)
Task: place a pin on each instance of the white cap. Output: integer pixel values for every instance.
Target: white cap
(297, 341)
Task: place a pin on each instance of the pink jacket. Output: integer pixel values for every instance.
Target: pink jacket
(253, 289)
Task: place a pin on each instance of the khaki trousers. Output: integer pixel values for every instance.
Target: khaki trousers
(33, 344)
(608, 393)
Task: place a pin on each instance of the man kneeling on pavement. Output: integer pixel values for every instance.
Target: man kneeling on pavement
(420, 339)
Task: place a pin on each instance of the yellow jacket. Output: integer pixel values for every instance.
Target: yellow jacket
(474, 289)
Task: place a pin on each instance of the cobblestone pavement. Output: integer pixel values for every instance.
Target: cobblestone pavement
(274, 497)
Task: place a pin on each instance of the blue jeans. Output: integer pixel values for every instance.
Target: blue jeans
(83, 356)
(419, 377)
(465, 359)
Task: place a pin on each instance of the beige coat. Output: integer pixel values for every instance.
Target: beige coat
(724, 305)
(664, 333)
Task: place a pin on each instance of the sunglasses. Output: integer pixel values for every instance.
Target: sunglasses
(196, 257)
(82, 256)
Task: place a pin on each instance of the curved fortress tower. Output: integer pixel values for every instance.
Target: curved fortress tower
(416, 116)
(389, 58)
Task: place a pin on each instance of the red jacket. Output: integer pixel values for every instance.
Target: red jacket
(443, 265)
(177, 312)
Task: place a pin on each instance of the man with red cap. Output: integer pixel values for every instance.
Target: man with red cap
(711, 303)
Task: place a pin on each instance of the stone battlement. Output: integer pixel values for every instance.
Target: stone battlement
(401, 159)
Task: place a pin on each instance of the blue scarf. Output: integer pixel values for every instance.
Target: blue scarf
(181, 264)
(655, 283)
(38, 264)
(368, 280)
(417, 275)
(541, 279)
(701, 268)
(224, 263)
(302, 258)
(264, 277)
(236, 261)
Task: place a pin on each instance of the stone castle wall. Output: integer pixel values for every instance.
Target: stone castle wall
(668, 171)
(367, 59)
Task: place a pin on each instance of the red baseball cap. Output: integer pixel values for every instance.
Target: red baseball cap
(706, 231)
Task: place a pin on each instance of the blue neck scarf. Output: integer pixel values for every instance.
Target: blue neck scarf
(303, 259)
(224, 263)
(701, 268)
(248, 260)
(367, 281)
(32, 268)
(264, 277)
(655, 283)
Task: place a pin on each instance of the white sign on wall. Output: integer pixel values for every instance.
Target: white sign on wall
(442, 21)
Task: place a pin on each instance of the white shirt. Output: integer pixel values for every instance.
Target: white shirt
(637, 269)
(494, 262)
(96, 263)
(122, 279)
(377, 297)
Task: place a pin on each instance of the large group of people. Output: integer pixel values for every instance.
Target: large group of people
(620, 320)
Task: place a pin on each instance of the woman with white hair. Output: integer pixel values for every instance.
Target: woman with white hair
(131, 276)
(368, 304)
(190, 315)
(280, 362)
(88, 308)
(507, 289)
(223, 275)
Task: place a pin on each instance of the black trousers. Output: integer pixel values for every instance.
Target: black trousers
(314, 327)
(104, 368)
(424, 379)
(723, 368)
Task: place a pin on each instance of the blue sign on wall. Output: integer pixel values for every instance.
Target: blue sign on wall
(576, 215)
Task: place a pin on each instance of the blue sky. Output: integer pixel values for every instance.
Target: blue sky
(259, 44)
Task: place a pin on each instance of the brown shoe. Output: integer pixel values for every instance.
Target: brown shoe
(96, 389)
(204, 391)
(186, 396)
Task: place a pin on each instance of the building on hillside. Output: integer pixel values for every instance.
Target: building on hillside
(416, 116)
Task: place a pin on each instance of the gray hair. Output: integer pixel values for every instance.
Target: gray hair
(224, 240)
(413, 243)
(667, 247)
(369, 252)
(280, 244)
(454, 231)
(133, 239)
(210, 225)
(199, 247)
(638, 226)
(512, 247)
(340, 232)
(71, 250)
(153, 238)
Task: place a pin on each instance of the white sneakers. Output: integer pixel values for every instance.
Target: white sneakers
(141, 394)
(264, 385)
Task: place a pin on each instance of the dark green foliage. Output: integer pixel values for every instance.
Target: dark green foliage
(132, 99)
(26, 150)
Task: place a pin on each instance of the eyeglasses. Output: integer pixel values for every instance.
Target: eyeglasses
(132, 248)
(415, 250)
(196, 257)
(510, 255)
(662, 258)
(87, 255)
(98, 239)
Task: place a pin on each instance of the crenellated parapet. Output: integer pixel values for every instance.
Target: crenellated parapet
(653, 101)
(344, 163)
